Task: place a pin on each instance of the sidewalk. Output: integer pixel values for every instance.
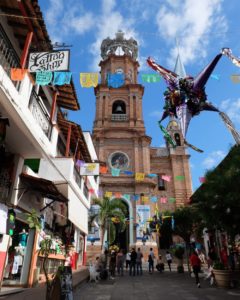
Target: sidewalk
(38, 293)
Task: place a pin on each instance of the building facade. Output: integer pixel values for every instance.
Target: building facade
(121, 143)
(39, 151)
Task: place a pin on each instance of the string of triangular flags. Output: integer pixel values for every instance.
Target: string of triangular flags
(138, 197)
(43, 78)
(139, 176)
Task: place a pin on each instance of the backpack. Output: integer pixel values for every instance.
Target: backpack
(150, 259)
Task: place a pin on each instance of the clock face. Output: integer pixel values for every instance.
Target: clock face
(119, 160)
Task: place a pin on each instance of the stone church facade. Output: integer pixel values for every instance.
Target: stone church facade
(120, 140)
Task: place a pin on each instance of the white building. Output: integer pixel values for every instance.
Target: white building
(39, 155)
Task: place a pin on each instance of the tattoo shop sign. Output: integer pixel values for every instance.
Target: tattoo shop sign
(49, 61)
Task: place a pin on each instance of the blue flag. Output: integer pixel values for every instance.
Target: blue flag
(115, 80)
(61, 78)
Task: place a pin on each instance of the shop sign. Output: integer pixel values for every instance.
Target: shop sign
(89, 169)
(142, 216)
(49, 61)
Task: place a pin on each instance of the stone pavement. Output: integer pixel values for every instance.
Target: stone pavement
(166, 285)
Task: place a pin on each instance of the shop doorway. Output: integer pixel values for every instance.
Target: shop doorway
(122, 236)
(16, 254)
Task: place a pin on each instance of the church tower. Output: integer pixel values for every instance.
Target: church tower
(121, 142)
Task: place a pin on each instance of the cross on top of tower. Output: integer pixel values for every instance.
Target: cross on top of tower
(128, 46)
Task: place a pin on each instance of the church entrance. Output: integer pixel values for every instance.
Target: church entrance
(122, 232)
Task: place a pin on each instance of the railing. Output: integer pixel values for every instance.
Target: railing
(119, 117)
(40, 114)
(8, 56)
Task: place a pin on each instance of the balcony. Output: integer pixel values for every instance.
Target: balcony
(8, 56)
(40, 113)
(119, 117)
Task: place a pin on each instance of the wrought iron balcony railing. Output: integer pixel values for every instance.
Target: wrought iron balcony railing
(8, 56)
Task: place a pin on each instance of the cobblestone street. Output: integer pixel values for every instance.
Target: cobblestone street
(153, 287)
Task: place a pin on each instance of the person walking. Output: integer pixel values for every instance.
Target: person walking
(133, 257)
(139, 262)
(151, 261)
(112, 264)
(196, 266)
(169, 260)
(120, 262)
(128, 259)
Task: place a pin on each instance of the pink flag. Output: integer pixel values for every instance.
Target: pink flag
(202, 179)
(166, 178)
(163, 200)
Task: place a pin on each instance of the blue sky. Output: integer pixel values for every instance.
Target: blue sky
(201, 29)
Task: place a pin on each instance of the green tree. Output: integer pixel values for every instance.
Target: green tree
(109, 211)
(217, 200)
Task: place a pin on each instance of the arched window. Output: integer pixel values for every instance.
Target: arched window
(119, 107)
(177, 139)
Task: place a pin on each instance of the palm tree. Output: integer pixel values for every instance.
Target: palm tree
(110, 211)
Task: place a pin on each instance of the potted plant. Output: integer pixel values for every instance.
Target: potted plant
(221, 274)
(179, 252)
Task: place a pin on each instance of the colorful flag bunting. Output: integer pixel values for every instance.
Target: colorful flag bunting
(166, 178)
(61, 78)
(91, 191)
(151, 78)
(115, 172)
(115, 80)
(127, 172)
(180, 177)
(126, 196)
(202, 179)
(43, 78)
(172, 200)
(235, 78)
(88, 80)
(151, 175)
(144, 199)
(163, 200)
(139, 176)
(118, 195)
(80, 163)
(108, 194)
(135, 197)
(103, 170)
(215, 76)
(17, 74)
(154, 199)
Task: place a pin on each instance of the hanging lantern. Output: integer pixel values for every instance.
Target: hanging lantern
(4, 122)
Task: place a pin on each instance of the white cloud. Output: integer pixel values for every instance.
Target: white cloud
(155, 113)
(232, 109)
(191, 22)
(63, 20)
(213, 159)
(109, 22)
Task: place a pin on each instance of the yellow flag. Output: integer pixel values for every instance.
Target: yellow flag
(88, 80)
(139, 176)
(145, 199)
(108, 194)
